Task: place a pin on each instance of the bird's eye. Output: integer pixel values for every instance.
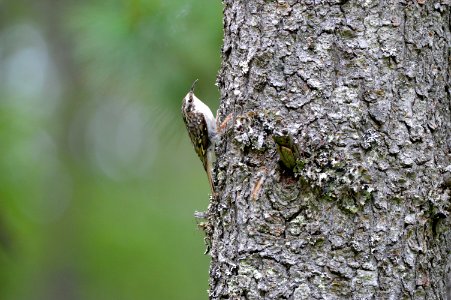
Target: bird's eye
(190, 100)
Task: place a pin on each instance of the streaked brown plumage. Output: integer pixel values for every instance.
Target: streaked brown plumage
(201, 126)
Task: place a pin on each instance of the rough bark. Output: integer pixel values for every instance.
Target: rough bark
(357, 93)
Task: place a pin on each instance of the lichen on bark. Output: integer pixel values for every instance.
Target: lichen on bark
(362, 88)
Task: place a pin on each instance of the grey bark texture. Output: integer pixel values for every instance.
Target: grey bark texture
(333, 169)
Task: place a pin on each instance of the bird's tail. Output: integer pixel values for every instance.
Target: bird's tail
(209, 169)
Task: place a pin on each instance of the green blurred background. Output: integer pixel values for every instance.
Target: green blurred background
(98, 179)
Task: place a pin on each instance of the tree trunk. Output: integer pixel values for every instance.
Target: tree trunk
(331, 174)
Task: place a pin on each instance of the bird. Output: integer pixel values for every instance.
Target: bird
(201, 126)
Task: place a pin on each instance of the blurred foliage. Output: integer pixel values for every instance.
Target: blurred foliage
(99, 181)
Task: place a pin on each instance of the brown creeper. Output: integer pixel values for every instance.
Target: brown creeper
(201, 126)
